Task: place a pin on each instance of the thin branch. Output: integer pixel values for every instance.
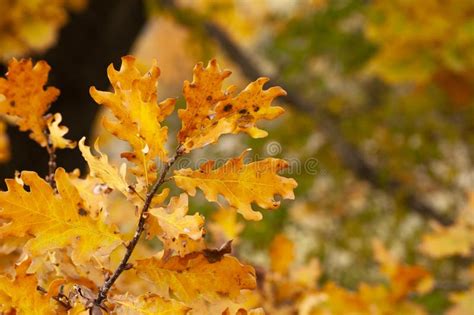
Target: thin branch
(348, 153)
(52, 165)
(124, 265)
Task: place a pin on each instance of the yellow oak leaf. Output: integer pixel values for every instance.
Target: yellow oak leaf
(57, 132)
(101, 168)
(177, 230)
(306, 275)
(282, 254)
(240, 184)
(26, 99)
(93, 193)
(21, 296)
(457, 239)
(11, 244)
(211, 112)
(377, 299)
(139, 115)
(158, 199)
(53, 221)
(150, 304)
(227, 306)
(183, 245)
(193, 277)
(225, 226)
(57, 264)
(11, 249)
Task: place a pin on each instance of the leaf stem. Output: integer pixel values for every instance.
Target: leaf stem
(124, 265)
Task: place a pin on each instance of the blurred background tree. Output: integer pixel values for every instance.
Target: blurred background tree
(380, 131)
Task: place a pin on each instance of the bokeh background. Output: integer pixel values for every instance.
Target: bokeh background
(379, 129)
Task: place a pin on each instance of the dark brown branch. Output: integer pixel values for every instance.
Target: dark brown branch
(349, 154)
(124, 265)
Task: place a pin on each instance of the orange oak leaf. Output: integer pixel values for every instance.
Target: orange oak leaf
(240, 184)
(138, 114)
(26, 99)
(201, 97)
(211, 112)
(193, 277)
(53, 221)
(177, 230)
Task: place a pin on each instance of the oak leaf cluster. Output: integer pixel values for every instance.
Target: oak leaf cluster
(70, 248)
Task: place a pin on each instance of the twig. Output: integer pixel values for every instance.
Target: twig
(348, 153)
(124, 265)
(52, 161)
